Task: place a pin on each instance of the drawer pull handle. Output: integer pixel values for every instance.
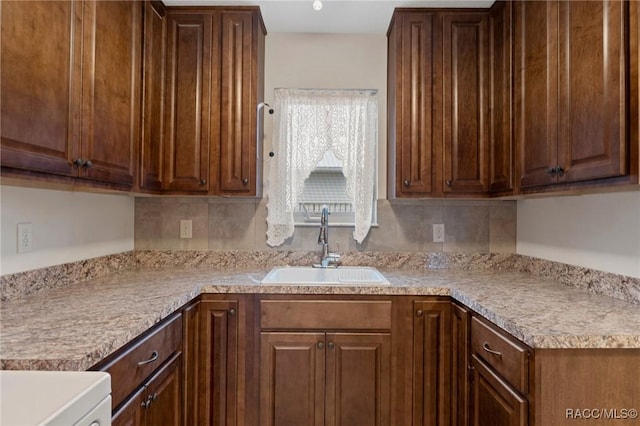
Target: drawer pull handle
(486, 347)
(154, 356)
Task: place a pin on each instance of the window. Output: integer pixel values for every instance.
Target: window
(325, 143)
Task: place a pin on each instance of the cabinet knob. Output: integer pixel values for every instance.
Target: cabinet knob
(419, 312)
(552, 171)
(154, 396)
(88, 164)
(559, 171)
(449, 183)
(79, 162)
(203, 182)
(245, 181)
(232, 312)
(271, 154)
(330, 345)
(320, 345)
(406, 183)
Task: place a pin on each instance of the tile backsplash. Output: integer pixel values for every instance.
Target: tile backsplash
(471, 226)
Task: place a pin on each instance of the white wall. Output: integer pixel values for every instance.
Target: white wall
(67, 226)
(599, 231)
(328, 61)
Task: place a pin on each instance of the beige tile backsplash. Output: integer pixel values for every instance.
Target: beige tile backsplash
(240, 224)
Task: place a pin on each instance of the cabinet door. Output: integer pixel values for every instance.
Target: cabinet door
(494, 403)
(358, 379)
(238, 101)
(413, 100)
(191, 347)
(292, 375)
(460, 361)
(466, 103)
(164, 395)
(501, 151)
(111, 89)
(218, 369)
(592, 135)
(536, 90)
(131, 412)
(187, 116)
(155, 42)
(431, 362)
(40, 85)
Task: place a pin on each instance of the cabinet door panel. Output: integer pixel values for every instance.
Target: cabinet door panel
(358, 377)
(592, 136)
(131, 413)
(292, 370)
(501, 152)
(412, 46)
(40, 85)
(460, 331)
(164, 390)
(218, 393)
(111, 84)
(536, 90)
(155, 46)
(465, 103)
(494, 403)
(187, 134)
(237, 106)
(432, 362)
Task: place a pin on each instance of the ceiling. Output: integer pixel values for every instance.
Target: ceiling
(336, 16)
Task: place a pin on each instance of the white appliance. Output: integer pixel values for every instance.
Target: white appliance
(52, 398)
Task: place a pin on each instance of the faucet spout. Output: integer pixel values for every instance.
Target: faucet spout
(323, 238)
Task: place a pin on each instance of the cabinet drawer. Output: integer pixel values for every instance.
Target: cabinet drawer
(325, 314)
(132, 367)
(505, 355)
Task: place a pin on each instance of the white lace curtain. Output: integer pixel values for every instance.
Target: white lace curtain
(307, 124)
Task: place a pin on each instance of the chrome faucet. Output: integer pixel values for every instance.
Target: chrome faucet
(328, 259)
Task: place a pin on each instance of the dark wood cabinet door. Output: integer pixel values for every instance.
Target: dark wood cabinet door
(592, 139)
(494, 403)
(466, 102)
(292, 377)
(218, 366)
(413, 101)
(192, 362)
(111, 76)
(536, 90)
(460, 361)
(431, 362)
(131, 413)
(238, 101)
(187, 111)
(164, 395)
(155, 46)
(500, 139)
(41, 85)
(358, 379)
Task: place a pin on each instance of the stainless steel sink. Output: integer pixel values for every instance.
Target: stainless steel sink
(342, 275)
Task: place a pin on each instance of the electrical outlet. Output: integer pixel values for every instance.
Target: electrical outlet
(186, 228)
(25, 237)
(438, 233)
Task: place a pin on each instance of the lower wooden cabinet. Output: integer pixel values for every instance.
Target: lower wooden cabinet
(325, 378)
(158, 402)
(431, 363)
(494, 402)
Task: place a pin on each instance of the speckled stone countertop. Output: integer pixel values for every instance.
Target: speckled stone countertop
(75, 326)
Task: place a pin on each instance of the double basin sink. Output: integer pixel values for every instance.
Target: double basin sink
(342, 275)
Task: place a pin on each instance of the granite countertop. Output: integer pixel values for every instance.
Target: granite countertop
(75, 326)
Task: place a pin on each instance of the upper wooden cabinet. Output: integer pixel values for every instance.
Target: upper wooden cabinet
(447, 105)
(214, 82)
(70, 88)
(570, 84)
